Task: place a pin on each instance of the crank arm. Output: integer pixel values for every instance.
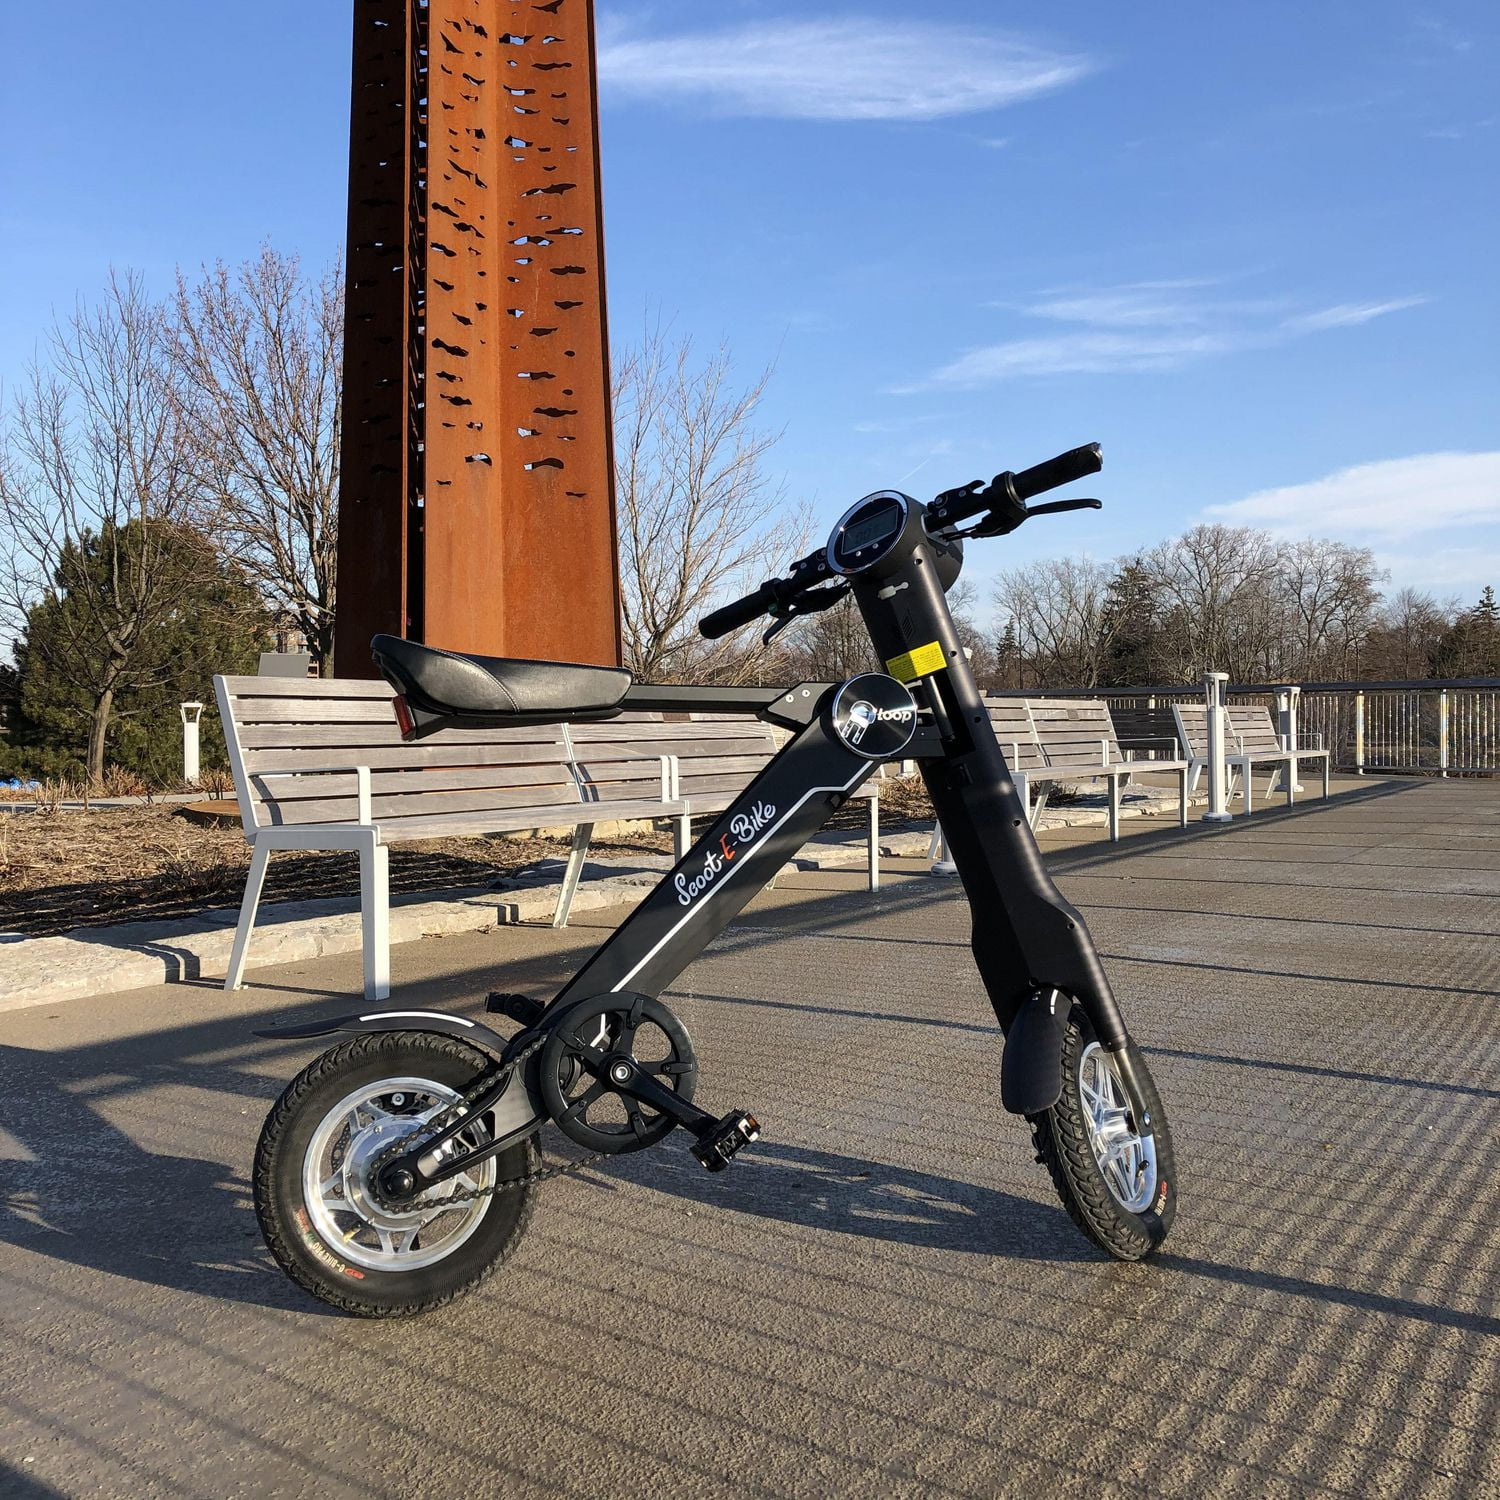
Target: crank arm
(717, 1140)
(625, 1075)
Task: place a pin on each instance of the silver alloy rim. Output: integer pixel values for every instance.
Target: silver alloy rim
(336, 1173)
(1126, 1157)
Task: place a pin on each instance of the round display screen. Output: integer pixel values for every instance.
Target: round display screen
(866, 531)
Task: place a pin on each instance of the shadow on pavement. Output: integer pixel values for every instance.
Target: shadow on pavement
(90, 1195)
(17, 1484)
(848, 1195)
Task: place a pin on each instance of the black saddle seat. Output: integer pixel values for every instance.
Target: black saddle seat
(496, 687)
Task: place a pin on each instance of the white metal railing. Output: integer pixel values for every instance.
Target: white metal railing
(1441, 729)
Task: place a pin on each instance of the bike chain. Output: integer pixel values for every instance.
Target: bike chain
(437, 1126)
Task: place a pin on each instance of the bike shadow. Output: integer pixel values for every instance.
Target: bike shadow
(83, 1191)
(873, 1200)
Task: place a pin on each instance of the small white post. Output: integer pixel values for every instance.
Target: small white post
(1443, 732)
(1359, 734)
(1218, 772)
(1288, 701)
(190, 714)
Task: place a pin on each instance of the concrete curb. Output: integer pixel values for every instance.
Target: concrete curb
(93, 961)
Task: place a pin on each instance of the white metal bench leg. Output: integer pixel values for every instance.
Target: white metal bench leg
(1195, 775)
(874, 843)
(573, 873)
(375, 918)
(1182, 799)
(936, 842)
(1114, 809)
(1247, 782)
(682, 835)
(260, 854)
(1289, 775)
(1326, 760)
(1038, 807)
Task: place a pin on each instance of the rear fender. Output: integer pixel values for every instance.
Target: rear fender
(476, 1033)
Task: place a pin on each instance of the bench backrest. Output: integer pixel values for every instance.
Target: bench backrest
(277, 725)
(1075, 731)
(717, 754)
(1249, 729)
(1012, 723)
(1144, 728)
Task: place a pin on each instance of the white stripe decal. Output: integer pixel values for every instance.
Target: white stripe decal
(693, 911)
(425, 1015)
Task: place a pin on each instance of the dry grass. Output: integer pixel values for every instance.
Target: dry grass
(61, 869)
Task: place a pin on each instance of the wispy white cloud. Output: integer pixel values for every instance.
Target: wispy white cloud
(1347, 314)
(1147, 325)
(1390, 500)
(1075, 354)
(850, 69)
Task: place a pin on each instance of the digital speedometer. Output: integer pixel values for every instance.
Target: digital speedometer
(867, 531)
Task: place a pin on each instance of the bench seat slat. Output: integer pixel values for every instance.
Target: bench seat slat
(285, 810)
(564, 815)
(395, 756)
(302, 736)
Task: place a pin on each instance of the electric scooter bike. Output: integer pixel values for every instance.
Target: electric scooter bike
(399, 1169)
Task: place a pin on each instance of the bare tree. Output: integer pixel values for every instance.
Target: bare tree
(1407, 636)
(699, 518)
(1328, 593)
(262, 349)
(1057, 608)
(97, 496)
(1216, 585)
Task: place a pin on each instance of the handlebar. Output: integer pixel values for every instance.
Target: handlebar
(1004, 498)
(1077, 463)
(741, 612)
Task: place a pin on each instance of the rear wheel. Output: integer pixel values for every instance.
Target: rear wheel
(1107, 1144)
(315, 1167)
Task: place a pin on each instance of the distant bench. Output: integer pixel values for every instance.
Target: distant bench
(1251, 741)
(1051, 740)
(320, 764)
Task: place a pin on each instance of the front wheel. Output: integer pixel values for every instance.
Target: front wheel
(315, 1165)
(1108, 1147)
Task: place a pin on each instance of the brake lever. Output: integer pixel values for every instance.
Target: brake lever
(1052, 507)
(811, 603)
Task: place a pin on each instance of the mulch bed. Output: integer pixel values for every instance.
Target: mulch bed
(61, 870)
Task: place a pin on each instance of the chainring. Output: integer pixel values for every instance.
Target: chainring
(586, 1107)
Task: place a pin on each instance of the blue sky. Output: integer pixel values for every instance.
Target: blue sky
(1251, 249)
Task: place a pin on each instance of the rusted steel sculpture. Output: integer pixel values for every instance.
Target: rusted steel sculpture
(476, 510)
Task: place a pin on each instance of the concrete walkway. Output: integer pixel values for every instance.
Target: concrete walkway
(884, 1298)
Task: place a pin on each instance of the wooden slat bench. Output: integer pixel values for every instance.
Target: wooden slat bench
(1251, 741)
(713, 757)
(320, 764)
(1078, 743)
(1051, 740)
(1144, 730)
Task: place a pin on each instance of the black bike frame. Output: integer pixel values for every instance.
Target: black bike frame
(1027, 939)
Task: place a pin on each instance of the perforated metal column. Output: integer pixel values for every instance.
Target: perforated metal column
(477, 510)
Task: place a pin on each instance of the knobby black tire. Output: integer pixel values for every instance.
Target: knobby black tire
(1062, 1143)
(289, 1230)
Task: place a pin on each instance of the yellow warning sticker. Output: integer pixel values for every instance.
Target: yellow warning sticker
(920, 661)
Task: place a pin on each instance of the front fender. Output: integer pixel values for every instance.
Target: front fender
(476, 1033)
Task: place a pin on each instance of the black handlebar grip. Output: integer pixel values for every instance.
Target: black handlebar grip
(741, 612)
(1063, 469)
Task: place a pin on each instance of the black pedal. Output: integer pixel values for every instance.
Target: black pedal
(722, 1140)
(520, 1008)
